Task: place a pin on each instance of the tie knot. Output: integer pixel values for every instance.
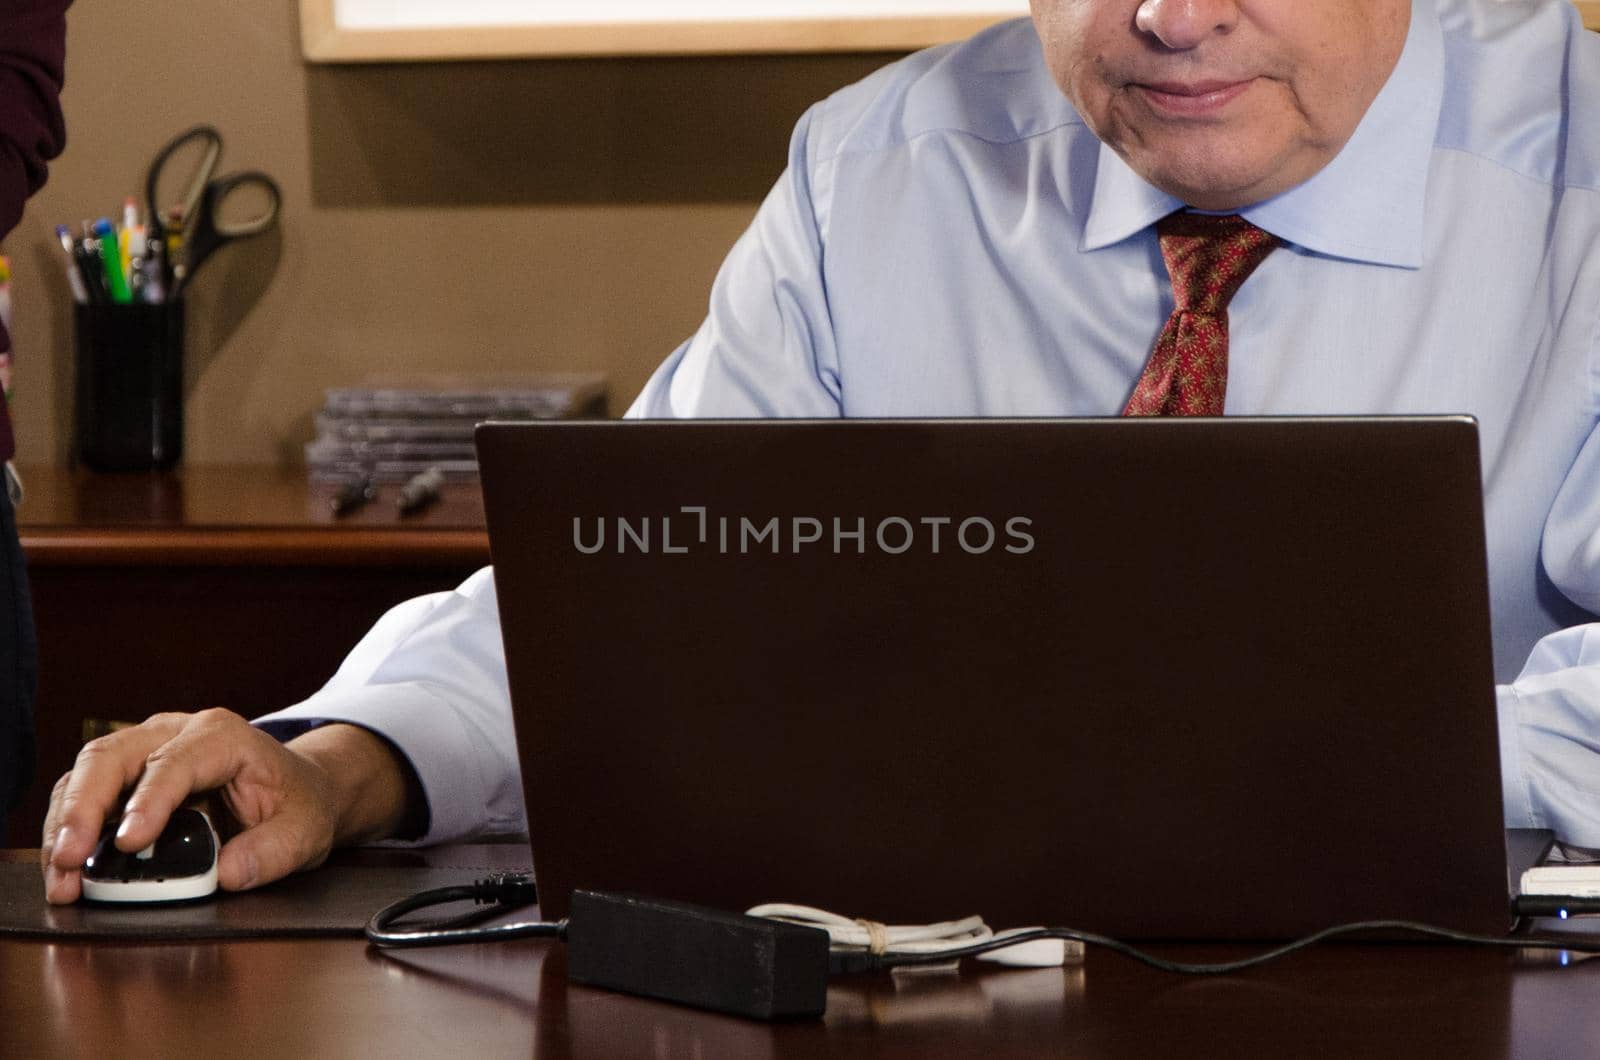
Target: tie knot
(1208, 257)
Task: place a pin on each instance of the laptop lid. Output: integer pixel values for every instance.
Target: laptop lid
(1184, 678)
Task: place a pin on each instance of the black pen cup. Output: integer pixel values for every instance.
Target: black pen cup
(129, 394)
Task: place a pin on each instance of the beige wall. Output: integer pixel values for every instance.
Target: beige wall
(437, 216)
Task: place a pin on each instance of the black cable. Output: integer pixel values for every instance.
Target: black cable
(862, 961)
(507, 889)
(511, 890)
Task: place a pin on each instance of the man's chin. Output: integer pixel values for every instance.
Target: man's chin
(1210, 180)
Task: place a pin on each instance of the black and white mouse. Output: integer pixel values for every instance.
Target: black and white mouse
(179, 866)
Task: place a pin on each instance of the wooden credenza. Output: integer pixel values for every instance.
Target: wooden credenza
(211, 586)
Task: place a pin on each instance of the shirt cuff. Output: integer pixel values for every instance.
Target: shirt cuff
(421, 727)
(1513, 774)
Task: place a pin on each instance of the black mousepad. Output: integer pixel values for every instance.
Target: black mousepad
(330, 901)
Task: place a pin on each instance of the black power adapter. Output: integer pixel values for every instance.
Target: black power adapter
(726, 962)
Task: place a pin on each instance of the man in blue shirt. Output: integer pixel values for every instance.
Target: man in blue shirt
(972, 231)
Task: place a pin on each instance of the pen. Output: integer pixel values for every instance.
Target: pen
(134, 250)
(87, 253)
(420, 491)
(80, 293)
(130, 221)
(153, 289)
(353, 495)
(111, 262)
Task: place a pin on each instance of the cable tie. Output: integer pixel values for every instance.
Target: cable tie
(877, 936)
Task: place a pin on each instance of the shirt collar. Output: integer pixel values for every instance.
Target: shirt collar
(1366, 204)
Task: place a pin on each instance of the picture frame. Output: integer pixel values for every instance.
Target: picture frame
(351, 31)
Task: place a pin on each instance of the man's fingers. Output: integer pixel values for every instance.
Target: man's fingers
(205, 753)
(47, 835)
(298, 835)
(104, 768)
(270, 851)
(61, 888)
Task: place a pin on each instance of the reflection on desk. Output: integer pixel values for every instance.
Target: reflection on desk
(340, 997)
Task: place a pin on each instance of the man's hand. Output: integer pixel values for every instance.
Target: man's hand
(294, 802)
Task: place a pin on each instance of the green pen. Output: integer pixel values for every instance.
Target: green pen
(111, 261)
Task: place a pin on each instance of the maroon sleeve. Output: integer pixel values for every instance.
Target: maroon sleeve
(33, 42)
(33, 45)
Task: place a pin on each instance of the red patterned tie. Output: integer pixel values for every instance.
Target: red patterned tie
(1208, 258)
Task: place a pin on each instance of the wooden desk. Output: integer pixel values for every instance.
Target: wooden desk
(342, 998)
(212, 586)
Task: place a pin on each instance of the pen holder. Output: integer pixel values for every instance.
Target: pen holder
(130, 386)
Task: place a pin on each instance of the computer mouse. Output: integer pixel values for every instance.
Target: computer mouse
(181, 865)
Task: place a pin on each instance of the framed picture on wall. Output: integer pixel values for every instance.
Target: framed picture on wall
(386, 30)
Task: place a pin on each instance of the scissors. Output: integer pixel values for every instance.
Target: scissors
(199, 224)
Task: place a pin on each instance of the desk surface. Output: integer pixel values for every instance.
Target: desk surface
(340, 997)
(217, 514)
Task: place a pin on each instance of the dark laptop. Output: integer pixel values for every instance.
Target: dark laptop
(1153, 678)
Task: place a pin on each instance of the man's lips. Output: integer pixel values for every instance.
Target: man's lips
(1193, 99)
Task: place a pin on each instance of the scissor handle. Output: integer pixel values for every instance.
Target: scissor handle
(224, 186)
(202, 175)
(208, 230)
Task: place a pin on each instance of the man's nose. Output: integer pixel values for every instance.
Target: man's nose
(1184, 24)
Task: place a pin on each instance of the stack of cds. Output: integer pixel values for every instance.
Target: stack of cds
(389, 429)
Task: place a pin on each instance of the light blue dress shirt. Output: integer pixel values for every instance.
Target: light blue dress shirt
(950, 239)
